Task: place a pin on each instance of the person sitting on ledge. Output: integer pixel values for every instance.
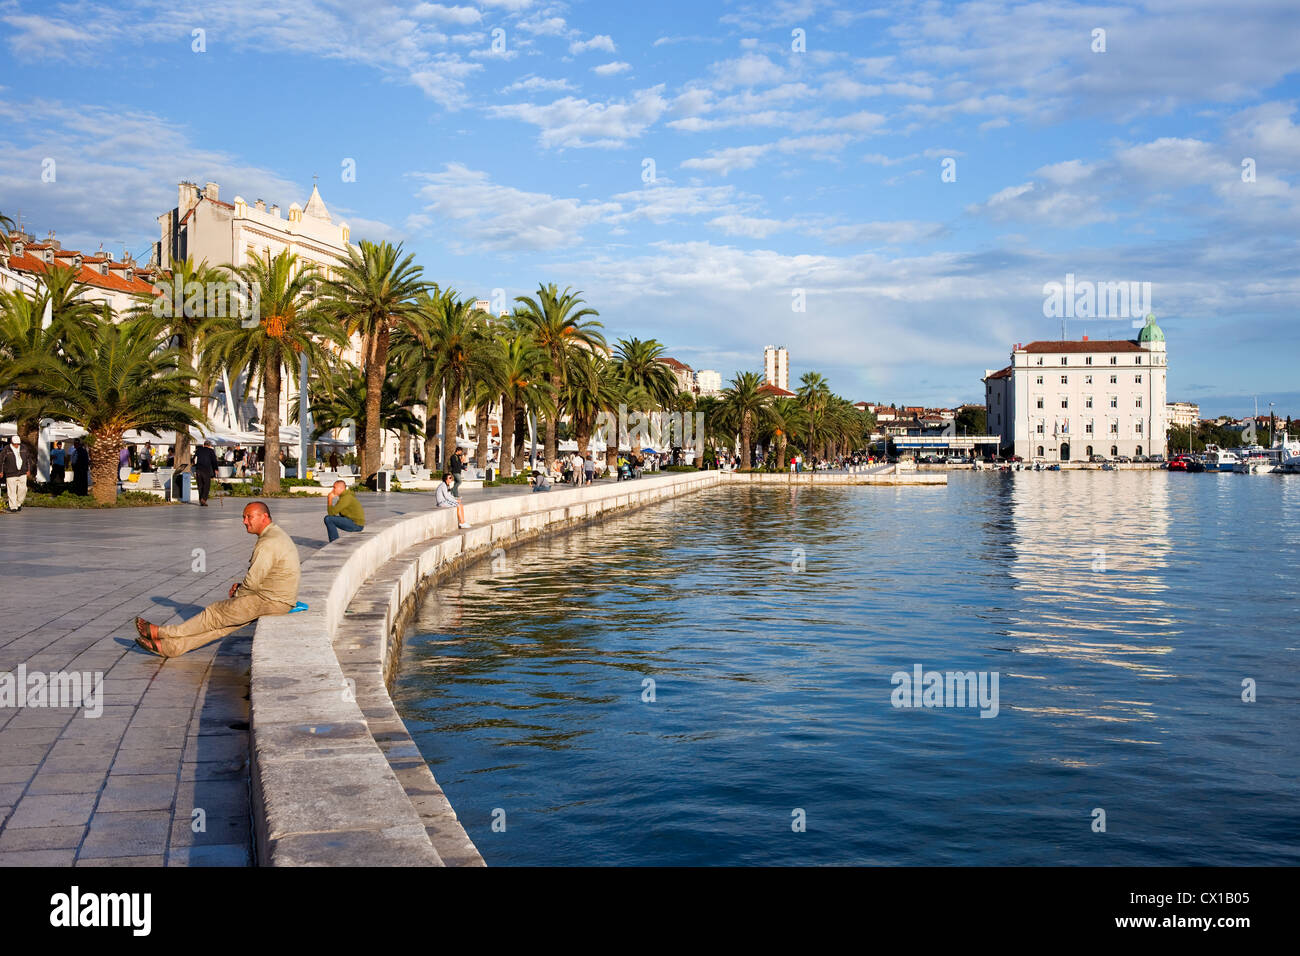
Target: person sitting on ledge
(344, 511)
(443, 498)
(541, 480)
(270, 587)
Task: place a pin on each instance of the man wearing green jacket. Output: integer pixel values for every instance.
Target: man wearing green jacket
(345, 512)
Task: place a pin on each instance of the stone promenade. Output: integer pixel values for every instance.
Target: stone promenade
(160, 777)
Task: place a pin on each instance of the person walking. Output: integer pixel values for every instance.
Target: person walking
(343, 511)
(589, 469)
(146, 458)
(15, 463)
(269, 587)
(205, 467)
(444, 497)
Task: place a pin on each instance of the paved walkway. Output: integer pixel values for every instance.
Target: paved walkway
(161, 776)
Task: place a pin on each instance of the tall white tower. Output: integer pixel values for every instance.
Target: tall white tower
(776, 366)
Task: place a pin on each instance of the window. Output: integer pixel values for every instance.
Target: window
(1040, 403)
(1040, 360)
(1087, 430)
(1114, 380)
(1039, 380)
(1089, 451)
(1040, 429)
(1114, 450)
(1137, 379)
(1139, 431)
(1139, 403)
(1065, 380)
(1088, 360)
(1087, 402)
(1087, 380)
(1137, 360)
(1139, 450)
(1114, 360)
(1065, 403)
(1114, 430)
(1040, 452)
(1114, 401)
(1063, 359)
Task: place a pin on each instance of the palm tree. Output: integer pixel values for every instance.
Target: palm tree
(6, 227)
(815, 397)
(555, 321)
(641, 363)
(25, 339)
(181, 322)
(787, 421)
(589, 389)
(522, 390)
(374, 292)
(340, 399)
(458, 354)
(746, 406)
(108, 380)
(289, 327)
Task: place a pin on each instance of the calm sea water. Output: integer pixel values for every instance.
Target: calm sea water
(1121, 611)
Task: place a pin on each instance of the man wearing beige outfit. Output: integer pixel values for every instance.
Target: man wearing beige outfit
(270, 587)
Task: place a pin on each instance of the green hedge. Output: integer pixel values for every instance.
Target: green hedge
(125, 499)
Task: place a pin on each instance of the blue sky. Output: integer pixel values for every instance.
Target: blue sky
(782, 161)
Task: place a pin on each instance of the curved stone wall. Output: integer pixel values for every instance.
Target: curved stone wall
(324, 790)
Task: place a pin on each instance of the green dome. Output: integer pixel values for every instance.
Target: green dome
(1151, 332)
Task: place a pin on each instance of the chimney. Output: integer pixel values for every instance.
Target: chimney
(210, 191)
(1085, 338)
(275, 211)
(187, 195)
(261, 205)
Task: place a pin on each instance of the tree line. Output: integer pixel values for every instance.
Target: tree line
(69, 359)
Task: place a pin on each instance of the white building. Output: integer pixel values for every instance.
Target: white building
(708, 381)
(1067, 401)
(119, 283)
(1183, 414)
(776, 366)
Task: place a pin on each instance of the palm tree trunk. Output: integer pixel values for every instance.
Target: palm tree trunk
(430, 429)
(451, 421)
(504, 458)
(522, 451)
(104, 453)
(746, 460)
(376, 370)
(271, 428)
(481, 430)
(406, 448)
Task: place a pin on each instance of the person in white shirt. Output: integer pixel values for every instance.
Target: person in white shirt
(443, 498)
(15, 462)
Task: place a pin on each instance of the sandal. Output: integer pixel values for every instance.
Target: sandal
(148, 638)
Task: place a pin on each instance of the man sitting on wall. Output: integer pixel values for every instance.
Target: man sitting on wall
(270, 587)
(444, 498)
(345, 512)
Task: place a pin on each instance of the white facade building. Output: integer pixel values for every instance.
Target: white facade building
(776, 366)
(1183, 414)
(1067, 401)
(708, 381)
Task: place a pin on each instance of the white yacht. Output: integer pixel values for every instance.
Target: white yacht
(1220, 459)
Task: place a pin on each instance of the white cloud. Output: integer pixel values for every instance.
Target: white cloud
(611, 69)
(598, 42)
(436, 11)
(545, 26)
(727, 160)
(752, 69)
(487, 215)
(536, 84)
(572, 122)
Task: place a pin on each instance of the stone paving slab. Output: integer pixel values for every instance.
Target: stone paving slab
(120, 789)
